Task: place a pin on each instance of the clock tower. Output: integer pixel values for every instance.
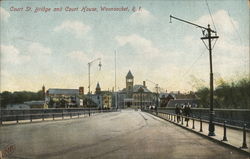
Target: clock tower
(129, 83)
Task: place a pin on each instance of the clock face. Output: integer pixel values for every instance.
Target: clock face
(130, 80)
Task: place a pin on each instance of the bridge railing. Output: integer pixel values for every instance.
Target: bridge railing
(190, 121)
(18, 116)
(235, 117)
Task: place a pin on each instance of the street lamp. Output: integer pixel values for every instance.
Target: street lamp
(207, 35)
(157, 101)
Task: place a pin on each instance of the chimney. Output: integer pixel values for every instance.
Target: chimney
(81, 90)
(144, 84)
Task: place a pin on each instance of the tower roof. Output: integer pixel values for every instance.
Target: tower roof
(129, 75)
(98, 86)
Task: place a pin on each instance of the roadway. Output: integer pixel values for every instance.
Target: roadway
(125, 134)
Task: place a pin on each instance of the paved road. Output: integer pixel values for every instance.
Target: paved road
(126, 134)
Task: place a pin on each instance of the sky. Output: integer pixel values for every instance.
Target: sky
(53, 48)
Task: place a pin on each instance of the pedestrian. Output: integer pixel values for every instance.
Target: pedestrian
(189, 110)
(177, 112)
(185, 112)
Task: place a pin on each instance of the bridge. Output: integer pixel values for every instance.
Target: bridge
(117, 134)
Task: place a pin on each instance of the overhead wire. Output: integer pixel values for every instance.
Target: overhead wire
(187, 71)
(241, 43)
(211, 15)
(191, 66)
(235, 29)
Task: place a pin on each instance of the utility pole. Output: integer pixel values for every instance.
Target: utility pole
(115, 85)
(140, 91)
(157, 95)
(208, 37)
(89, 65)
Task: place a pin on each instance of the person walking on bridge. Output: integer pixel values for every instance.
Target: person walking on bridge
(177, 112)
(187, 111)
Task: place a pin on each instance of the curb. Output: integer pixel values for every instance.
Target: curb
(207, 137)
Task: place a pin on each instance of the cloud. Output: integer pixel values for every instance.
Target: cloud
(85, 57)
(224, 23)
(140, 44)
(75, 27)
(4, 14)
(142, 16)
(231, 49)
(10, 54)
(38, 49)
(229, 55)
(78, 55)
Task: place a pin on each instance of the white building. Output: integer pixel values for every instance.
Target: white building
(63, 97)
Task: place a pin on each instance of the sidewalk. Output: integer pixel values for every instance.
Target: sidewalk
(234, 136)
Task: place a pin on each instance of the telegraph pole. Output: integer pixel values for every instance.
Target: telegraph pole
(115, 85)
(157, 95)
(208, 37)
(211, 113)
(89, 65)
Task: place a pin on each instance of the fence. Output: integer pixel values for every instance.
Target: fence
(191, 122)
(18, 115)
(236, 117)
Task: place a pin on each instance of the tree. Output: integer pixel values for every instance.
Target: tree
(203, 96)
(233, 94)
(19, 97)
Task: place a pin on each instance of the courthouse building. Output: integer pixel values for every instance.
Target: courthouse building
(135, 95)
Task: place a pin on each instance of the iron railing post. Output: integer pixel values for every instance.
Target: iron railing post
(186, 121)
(225, 132)
(244, 144)
(17, 121)
(30, 118)
(193, 124)
(201, 125)
(1, 119)
(181, 119)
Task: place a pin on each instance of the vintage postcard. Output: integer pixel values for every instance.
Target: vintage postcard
(124, 79)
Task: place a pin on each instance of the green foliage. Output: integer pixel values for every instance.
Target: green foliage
(19, 97)
(203, 95)
(228, 95)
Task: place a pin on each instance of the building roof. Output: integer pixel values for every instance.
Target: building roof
(137, 87)
(38, 102)
(164, 95)
(59, 91)
(129, 75)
